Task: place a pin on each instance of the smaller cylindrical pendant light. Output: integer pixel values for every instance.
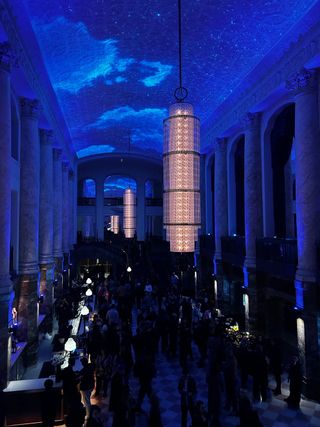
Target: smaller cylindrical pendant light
(115, 224)
(129, 213)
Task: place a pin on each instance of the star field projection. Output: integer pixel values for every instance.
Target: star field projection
(114, 63)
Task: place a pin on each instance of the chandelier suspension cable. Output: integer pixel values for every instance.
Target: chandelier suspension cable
(181, 92)
(180, 43)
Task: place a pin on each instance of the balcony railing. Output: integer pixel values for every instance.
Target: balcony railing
(277, 256)
(153, 201)
(86, 201)
(113, 201)
(233, 249)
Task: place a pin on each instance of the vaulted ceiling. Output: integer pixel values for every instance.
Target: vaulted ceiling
(113, 63)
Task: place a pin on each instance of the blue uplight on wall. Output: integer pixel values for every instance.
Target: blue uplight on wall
(113, 63)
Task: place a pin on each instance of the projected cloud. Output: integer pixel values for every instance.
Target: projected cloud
(113, 64)
(128, 113)
(115, 185)
(161, 71)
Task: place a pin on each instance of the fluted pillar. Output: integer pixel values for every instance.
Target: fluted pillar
(253, 215)
(141, 207)
(252, 186)
(71, 208)
(305, 90)
(5, 202)
(304, 87)
(29, 227)
(100, 209)
(57, 212)
(220, 210)
(65, 210)
(46, 219)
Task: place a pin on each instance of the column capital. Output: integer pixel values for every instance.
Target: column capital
(57, 154)
(220, 144)
(251, 121)
(7, 57)
(46, 136)
(30, 108)
(302, 81)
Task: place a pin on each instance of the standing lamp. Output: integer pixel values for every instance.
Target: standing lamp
(84, 313)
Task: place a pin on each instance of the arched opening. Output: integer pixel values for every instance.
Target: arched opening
(114, 186)
(149, 189)
(211, 189)
(88, 188)
(86, 209)
(283, 171)
(153, 201)
(113, 189)
(238, 163)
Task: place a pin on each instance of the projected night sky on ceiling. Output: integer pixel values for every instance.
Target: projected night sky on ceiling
(113, 63)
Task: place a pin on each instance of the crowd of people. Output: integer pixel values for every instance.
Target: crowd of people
(130, 324)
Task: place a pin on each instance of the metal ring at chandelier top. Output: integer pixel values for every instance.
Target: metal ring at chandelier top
(180, 93)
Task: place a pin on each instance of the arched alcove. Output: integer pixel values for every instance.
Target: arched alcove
(281, 166)
(149, 189)
(88, 188)
(236, 187)
(279, 173)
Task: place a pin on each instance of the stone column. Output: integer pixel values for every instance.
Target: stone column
(57, 212)
(220, 210)
(140, 210)
(305, 90)
(252, 187)
(100, 209)
(29, 227)
(65, 211)
(253, 213)
(71, 208)
(46, 220)
(5, 202)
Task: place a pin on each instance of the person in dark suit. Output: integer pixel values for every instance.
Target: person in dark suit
(188, 390)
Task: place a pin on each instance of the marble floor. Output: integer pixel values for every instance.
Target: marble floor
(273, 413)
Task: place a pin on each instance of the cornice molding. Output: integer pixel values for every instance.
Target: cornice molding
(24, 59)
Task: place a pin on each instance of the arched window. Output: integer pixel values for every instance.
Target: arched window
(281, 139)
(149, 189)
(88, 188)
(115, 185)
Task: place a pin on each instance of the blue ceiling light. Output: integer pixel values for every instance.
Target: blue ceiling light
(116, 57)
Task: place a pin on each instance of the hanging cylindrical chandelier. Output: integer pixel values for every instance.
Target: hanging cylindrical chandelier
(181, 181)
(129, 213)
(114, 226)
(181, 170)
